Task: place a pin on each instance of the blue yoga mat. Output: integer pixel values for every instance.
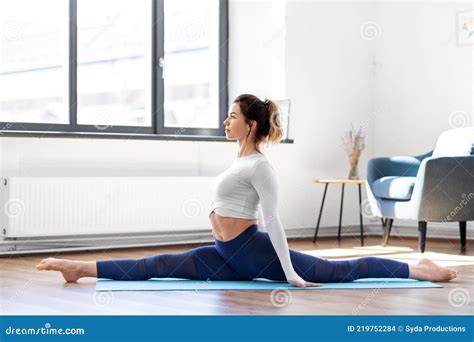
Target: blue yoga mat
(176, 284)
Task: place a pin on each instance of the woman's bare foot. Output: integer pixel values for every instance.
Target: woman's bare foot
(426, 269)
(72, 270)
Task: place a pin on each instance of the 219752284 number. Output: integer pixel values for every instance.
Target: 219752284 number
(371, 328)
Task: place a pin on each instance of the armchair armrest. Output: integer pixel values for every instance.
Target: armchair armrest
(444, 187)
(392, 166)
(424, 155)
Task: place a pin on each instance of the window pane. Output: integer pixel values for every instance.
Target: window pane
(114, 62)
(191, 63)
(33, 61)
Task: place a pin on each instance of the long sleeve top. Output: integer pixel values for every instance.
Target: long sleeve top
(249, 189)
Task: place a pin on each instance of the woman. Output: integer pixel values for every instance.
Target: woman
(247, 190)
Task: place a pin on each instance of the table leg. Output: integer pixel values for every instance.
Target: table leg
(386, 231)
(340, 213)
(320, 213)
(361, 219)
(462, 232)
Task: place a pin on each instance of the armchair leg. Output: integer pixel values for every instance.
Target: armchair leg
(462, 231)
(422, 225)
(387, 228)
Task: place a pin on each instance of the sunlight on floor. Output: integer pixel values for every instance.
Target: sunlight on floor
(405, 254)
(355, 251)
(441, 259)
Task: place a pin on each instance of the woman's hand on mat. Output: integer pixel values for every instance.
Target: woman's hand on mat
(300, 282)
(303, 284)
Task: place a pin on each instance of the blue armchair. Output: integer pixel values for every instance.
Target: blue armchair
(437, 186)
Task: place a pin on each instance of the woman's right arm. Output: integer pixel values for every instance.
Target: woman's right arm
(265, 183)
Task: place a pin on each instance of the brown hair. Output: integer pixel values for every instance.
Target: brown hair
(267, 115)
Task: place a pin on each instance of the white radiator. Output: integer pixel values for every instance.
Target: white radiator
(65, 206)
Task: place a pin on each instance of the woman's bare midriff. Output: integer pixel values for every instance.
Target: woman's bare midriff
(228, 228)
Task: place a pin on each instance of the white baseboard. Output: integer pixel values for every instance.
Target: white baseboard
(84, 243)
(434, 230)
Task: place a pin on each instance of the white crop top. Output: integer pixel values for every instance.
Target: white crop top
(249, 189)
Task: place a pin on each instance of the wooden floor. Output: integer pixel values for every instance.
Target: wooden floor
(24, 290)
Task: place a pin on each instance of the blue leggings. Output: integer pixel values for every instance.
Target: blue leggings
(250, 255)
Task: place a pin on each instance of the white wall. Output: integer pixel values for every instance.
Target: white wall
(423, 79)
(330, 83)
(314, 53)
(423, 83)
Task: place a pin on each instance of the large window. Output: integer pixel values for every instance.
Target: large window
(34, 61)
(114, 66)
(191, 54)
(114, 62)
